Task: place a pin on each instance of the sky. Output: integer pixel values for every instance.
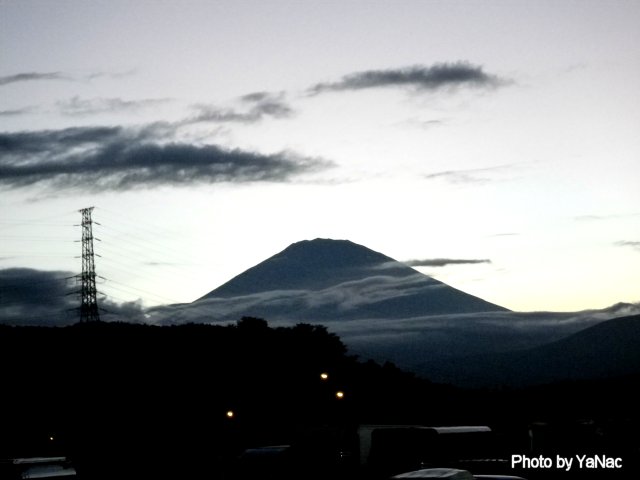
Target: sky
(492, 145)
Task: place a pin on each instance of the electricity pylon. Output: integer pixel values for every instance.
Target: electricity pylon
(88, 293)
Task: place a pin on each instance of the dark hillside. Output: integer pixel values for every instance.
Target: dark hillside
(607, 350)
(122, 395)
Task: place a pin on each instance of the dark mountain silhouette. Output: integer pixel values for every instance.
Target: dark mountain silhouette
(606, 350)
(337, 279)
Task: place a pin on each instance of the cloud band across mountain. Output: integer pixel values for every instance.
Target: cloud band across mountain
(443, 262)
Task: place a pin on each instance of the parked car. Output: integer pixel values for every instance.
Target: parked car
(37, 467)
(451, 474)
(448, 473)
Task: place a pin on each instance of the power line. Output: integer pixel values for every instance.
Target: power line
(145, 246)
(42, 221)
(34, 237)
(109, 281)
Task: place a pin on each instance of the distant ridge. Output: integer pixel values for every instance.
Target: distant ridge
(606, 350)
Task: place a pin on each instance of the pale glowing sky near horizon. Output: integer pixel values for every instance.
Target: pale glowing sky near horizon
(525, 151)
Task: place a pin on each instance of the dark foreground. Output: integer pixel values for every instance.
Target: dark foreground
(125, 401)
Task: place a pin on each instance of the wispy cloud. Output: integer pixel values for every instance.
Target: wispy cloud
(625, 243)
(117, 158)
(32, 76)
(35, 76)
(418, 77)
(422, 124)
(110, 75)
(18, 111)
(254, 107)
(590, 218)
(472, 175)
(443, 262)
(597, 218)
(89, 106)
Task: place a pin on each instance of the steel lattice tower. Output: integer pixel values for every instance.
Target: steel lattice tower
(88, 292)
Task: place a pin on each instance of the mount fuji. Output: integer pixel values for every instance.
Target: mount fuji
(338, 279)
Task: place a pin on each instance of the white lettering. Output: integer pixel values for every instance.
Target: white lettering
(563, 463)
(526, 462)
(599, 461)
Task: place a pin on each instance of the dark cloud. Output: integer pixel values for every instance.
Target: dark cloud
(30, 76)
(442, 262)
(418, 77)
(624, 243)
(260, 105)
(39, 297)
(210, 113)
(19, 146)
(267, 103)
(79, 106)
(115, 158)
(256, 97)
(30, 296)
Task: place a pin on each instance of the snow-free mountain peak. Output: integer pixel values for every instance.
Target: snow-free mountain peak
(325, 278)
(310, 264)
